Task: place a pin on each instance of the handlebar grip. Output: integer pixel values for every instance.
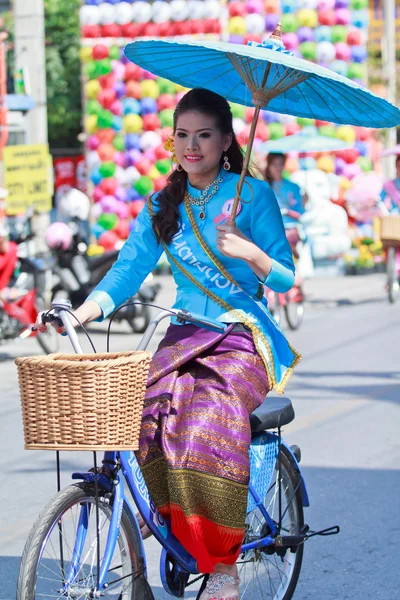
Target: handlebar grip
(51, 318)
(184, 316)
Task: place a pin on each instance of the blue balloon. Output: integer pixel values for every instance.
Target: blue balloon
(132, 225)
(132, 141)
(270, 117)
(96, 176)
(97, 230)
(118, 123)
(359, 54)
(289, 6)
(93, 2)
(362, 148)
(340, 67)
(133, 195)
(360, 18)
(307, 163)
(323, 34)
(130, 106)
(148, 106)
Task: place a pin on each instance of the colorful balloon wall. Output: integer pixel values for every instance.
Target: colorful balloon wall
(128, 111)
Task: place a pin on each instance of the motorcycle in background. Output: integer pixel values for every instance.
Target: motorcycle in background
(76, 274)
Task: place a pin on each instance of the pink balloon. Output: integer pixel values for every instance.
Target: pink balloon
(351, 170)
(119, 159)
(98, 194)
(118, 69)
(116, 107)
(255, 6)
(290, 41)
(93, 142)
(150, 155)
(342, 16)
(342, 51)
(109, 204)
(59, 236)
(108, 239)
(123, 210)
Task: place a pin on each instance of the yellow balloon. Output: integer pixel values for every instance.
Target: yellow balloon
(92, 89)
(95, 250)
(345, 183)
(91, 123)
(150, 89)
(85, 54)
(307, 17)
(133, 124)
(292, 165)
(154, 173)
(346, 133)
(237, 26)
(326, 164)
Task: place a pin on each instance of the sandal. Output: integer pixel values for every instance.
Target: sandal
(215, 583)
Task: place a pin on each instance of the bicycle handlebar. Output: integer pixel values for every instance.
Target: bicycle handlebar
(60, 315)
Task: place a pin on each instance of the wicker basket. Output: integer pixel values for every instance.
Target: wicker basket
(389, 230)
(83, 401)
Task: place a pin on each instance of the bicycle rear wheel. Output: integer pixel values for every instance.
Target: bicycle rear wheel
(393, 282)
(44, 566)
(264, 575)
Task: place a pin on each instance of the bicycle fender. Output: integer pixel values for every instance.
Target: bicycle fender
(296, 466)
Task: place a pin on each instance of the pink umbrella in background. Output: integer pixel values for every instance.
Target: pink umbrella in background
(392, 151)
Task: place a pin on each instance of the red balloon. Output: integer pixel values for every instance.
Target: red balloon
(106, 152)
(91, 31)
(165, 101)
(321, 123)
(108, 239)
(109, 186)
(211, 26)
(132, 72)
(100, 51)
(354, 37)
(151, 30)
(133, 90)
(237, 9)
(111, 30)
(107, 81)
(197, 26)
(106, 97)
(252, 37)
(249, 114)
(291, 128)
(349, 155)
(106, 136)
(122, 229)
(129, 30)
(151, 122)
(161, 152)
(143, 166)
(160, 183)
(97, 194)
(262, 131)
(327, 17)
(244, 135)
(163, 29)
(362, 133)
(165, 132)
(136, 207)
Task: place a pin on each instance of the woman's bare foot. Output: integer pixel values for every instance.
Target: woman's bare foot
(144, 530)
(223, 584)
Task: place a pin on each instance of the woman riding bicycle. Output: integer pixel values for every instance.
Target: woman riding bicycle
(202, 387)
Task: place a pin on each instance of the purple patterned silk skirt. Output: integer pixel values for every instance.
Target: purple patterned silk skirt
(195, 435)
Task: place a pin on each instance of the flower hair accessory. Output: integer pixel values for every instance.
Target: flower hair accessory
(170, 147)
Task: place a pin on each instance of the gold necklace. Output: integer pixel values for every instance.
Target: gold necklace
(205, 196)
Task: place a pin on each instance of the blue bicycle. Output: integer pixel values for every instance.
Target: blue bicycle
(86, 543)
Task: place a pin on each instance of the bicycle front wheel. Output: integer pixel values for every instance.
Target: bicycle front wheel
(264, 574)
(63, 541)
(393, 282)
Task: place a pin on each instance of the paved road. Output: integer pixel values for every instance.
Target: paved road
(346, 394)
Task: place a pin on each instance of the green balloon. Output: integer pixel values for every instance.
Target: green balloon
(105, 119)
(276, 131)
(167, 117)
(356, 71)
(289, 23)
(164, 165)
(238, 111)
(107, 220)
(166, 87)
(339, 33)
(103, 67)
(358, 4)
(119, 142)
(144, 186)
(304, 122)
(107, 169)
(114, 53)
(93, 107)
(327, 130)
(365, 163)
(90, 69)
(308, 50)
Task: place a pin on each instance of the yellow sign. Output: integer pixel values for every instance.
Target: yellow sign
(27, 178)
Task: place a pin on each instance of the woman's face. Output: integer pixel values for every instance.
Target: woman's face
(199, 144)
(275, 167)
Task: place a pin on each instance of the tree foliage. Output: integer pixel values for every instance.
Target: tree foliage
(64, 108)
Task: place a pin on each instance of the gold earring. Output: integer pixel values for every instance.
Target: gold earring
(170, 147)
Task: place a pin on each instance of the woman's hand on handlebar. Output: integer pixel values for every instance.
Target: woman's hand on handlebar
(42, 327)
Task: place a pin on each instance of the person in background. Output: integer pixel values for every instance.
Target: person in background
(391, 191)
(8, 260)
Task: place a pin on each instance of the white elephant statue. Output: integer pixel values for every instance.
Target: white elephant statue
(325, 223)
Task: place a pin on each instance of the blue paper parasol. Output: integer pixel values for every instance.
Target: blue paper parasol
(307, 140)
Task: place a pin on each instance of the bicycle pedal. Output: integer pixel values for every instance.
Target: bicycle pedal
(289, 541)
